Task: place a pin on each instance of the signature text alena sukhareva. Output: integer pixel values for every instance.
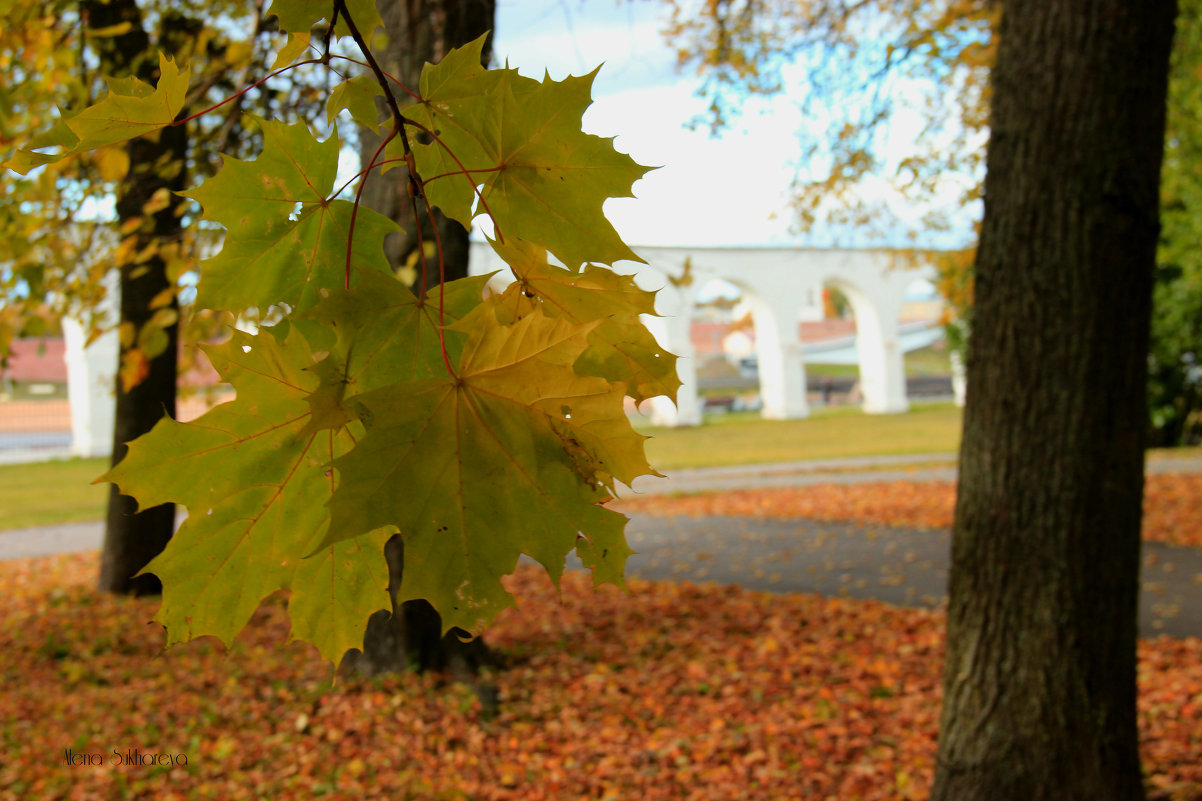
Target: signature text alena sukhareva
(131, 757)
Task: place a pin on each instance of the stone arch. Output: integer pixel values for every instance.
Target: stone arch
(779, 355)
(674, 305)
(776, 323)
(881, 360)
(770, 289)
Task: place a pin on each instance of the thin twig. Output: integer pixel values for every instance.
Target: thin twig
(350, 234)
(415, 187)
(243, 91)
(381, 78)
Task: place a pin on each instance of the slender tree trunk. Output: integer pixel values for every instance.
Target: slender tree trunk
(409, 636)
(1039, 684)
(157, 169)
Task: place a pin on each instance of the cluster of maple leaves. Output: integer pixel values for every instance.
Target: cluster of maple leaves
(674, 691)
(479, 426)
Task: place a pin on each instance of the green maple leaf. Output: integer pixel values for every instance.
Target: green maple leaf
(357, 96)
(378, 333)
(129, 110)
(621, 349)
(541, 177)
(255, 476)
(533, 361)
(511, 455)
(299, 16)
(286, 240)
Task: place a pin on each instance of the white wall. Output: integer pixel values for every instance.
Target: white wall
(91, 376)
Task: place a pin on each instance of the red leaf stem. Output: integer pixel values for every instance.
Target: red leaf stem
(246, 89)
(465, 172)
(350, 235)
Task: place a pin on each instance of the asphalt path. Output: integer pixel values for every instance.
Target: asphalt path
(907, 567)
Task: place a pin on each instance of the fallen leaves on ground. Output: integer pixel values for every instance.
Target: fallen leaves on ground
(676, 691)
(1172, 505)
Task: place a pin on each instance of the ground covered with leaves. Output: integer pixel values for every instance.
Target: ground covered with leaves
(1172, 505)
(676, 691)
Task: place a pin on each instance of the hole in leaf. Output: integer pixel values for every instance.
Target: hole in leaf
(246, 348)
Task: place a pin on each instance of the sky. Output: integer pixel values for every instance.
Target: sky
(727, 190)
(731, 190)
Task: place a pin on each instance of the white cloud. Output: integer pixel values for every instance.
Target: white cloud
(729, 190)
(707, 191)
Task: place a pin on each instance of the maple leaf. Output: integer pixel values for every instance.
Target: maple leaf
(131, 109)
(254, 477)
(588, 415)
(621, 349)
(378, 333)
(299, 16)
(541, 177)
(286, 240)
(511, 455)
(356, 95)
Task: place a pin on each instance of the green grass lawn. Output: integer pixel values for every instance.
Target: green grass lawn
(836, 371)
(830, 433)
(923, 362)
(44, 493)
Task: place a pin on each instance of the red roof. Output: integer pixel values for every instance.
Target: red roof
(42, 361)
(37, 360)
(707, 337)
(832, 328)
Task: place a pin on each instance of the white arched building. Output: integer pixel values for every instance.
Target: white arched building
(781, 284)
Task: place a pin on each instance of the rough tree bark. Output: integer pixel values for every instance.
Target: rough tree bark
(1039, 683)
(132, 538)
(419, 31)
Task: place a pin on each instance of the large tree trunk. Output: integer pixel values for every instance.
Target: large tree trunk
(421, 31)
(1039, 684)
(157, 169)
(409, 636)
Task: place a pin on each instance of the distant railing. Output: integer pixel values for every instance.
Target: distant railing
(35, 423)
